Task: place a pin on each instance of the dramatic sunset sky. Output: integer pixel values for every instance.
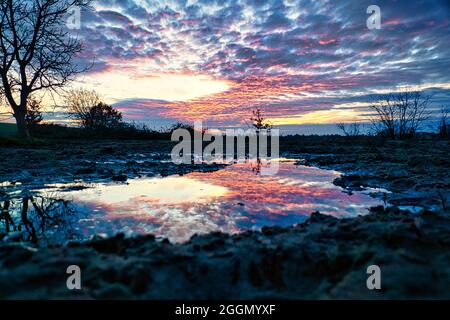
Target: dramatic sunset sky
(300, 61)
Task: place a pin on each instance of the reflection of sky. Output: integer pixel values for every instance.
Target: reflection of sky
(170, 190)
(228, 200)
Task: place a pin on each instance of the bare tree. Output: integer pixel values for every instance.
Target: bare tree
(399, 115)
(36, 50)
(259, 122)
(350, 130)
(80, 103)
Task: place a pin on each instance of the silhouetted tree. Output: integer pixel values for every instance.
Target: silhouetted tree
(259, 122)
(189, 127)
(36, 50)
(103, 116)
(350, 130)
(80, 103)
(399, 115)
(180, 125)
(34, 113)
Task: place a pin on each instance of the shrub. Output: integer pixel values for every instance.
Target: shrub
(350, 130)
(399, 115)
(34, 114)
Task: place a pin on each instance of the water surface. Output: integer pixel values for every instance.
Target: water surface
(230, 200)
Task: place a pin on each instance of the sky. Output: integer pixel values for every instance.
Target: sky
(302, 62)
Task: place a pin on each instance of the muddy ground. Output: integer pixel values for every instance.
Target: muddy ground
(321, 258)
(90, 161)
(415, 171)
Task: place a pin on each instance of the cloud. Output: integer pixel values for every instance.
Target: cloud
(275, 52)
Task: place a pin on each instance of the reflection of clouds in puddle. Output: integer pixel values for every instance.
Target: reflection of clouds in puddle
(228, 200)
(172, 207)
(176, 222)
(170, 190)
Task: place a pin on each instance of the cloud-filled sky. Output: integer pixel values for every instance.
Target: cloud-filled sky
(300, 61)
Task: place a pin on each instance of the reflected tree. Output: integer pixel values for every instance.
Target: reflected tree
(6, 217)
(37, 217)
(256, 169)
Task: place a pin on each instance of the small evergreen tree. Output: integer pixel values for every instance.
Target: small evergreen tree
(34, 113)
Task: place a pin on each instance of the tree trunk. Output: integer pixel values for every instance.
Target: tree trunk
(22, 127)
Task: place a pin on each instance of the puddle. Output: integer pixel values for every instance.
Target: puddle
(176, 207)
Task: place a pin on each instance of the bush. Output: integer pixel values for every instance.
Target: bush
(103, 116)
(399, 115)
(34, 113)
(350, 130)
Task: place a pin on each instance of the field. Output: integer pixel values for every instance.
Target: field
(7, 129)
